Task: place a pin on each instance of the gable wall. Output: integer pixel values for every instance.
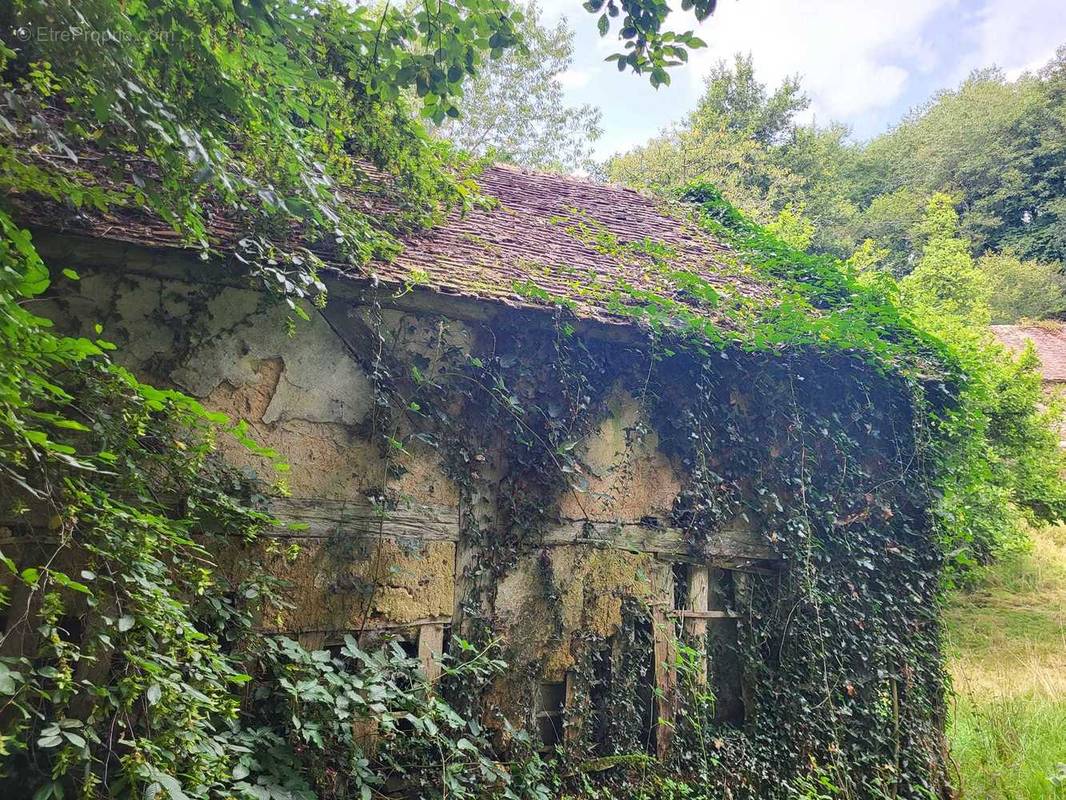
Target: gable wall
(309, 397)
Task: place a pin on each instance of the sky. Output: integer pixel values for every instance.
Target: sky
(862, 62)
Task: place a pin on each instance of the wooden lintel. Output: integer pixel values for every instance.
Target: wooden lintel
(319, 519)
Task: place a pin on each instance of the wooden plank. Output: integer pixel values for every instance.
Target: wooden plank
(743, 594)
(732, 547)
(326, 519)
(665, 655)
(312, 640)
(695, 617)
(319, 518)
(430, 650)
(573, 722)
(698, 617)
(371, 625)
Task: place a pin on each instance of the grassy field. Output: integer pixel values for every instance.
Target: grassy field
(1007, 656)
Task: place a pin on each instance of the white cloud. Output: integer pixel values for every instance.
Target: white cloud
(853, 57)
(863, 62)
(1017, 35)
(574, 78)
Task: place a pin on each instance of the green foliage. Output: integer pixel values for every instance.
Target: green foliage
(1005, 459)
(892, 220)
(1002, 455)
(746, 141)
(1022, 289)
(649, 48)
(513, 109)
(792, 228)
(946, 282)
(131, 662)
(997, 142)
(149, 676)
(219, 107)
(170, 691)
(996, 145)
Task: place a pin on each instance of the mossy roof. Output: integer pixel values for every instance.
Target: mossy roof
(540, 239)
(549, 237)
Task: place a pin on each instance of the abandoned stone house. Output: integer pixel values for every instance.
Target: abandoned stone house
(614, 573)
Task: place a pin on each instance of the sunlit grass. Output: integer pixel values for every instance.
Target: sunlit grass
(1007, 656)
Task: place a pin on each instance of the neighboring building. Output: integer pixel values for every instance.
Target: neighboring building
(587, 586)
(1048, 340)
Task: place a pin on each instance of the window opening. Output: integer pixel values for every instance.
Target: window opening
(724, 667)
(551, 702)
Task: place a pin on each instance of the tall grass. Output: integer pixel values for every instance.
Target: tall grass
(1007, 656)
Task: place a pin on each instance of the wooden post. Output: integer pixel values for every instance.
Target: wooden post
(312, 640)
(665, 647)
(742, 596)
(573, 720)
(430, 649)
(696, 627)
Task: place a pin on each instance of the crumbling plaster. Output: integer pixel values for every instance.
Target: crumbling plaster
(307, 396)
(628, 476)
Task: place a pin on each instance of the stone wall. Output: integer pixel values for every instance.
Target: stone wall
(306, 393)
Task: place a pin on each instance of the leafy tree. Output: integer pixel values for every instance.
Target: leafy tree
(1005, 463)
(727, 140)
(893, 221)
(735, 101)
(999, 144)
(946, 280)
(1022, 289)
(792, 228)
(745, 139)
(514, 110)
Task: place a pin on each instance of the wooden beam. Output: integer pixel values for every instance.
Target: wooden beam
(697, 617)
(371, 626)
(732, 547)
(319, 518)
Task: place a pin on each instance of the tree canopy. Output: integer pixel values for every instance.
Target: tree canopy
(997, 146)
(513, 109)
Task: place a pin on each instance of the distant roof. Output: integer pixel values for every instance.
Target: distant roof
(544, 237)
(1049, 341)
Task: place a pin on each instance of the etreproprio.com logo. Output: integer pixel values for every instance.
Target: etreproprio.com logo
(81, 35)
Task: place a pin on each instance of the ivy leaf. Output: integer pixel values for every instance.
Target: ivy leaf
(8, 686)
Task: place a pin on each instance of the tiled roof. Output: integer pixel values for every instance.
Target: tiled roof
(570, 238)
(1049, 341)
(544, 236)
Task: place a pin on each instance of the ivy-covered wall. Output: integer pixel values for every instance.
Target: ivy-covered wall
(558, 489)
